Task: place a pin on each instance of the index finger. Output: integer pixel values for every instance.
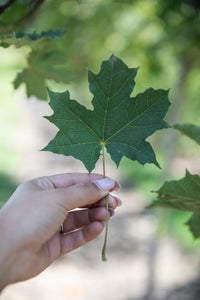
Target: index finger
(69, 179)
(82, 194)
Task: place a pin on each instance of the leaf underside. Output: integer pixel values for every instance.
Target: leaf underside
(43, 62)
(183, 194)
(42, 66)
(118, 122)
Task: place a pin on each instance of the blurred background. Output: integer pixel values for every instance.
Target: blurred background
(151, 253)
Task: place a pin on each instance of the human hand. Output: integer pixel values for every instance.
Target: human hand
(30, 221)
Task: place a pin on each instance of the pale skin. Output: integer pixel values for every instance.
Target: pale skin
(30, 221)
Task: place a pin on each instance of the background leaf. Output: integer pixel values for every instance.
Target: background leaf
(194, 225)
(20, 39)
(34, 36)
(118, 122)
(44, 61)
(42, 66)
(189, 130)
(183, 194)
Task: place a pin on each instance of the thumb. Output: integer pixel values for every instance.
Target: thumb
(82, 194)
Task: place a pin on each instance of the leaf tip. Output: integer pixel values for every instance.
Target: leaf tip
(155, 162)
(187, 173)
(49, 92)
(113, 58)
(166, 124)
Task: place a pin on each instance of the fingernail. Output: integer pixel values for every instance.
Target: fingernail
(105, 184)
(112, 212)
(119, 202)
(117, 187)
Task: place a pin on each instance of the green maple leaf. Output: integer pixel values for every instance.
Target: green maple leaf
(118, 122)
(42, 66)
(194, 225)
(183, 194)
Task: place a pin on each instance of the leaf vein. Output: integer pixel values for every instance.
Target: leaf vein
(81, 121)
(127, 124)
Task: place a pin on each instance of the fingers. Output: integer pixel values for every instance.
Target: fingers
(80, 237)
(80, 218)
(83, 194)
(91, 221)
(60, 180)
(69, 179)
(113, 202)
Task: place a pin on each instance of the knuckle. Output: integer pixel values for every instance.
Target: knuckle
(43, 183)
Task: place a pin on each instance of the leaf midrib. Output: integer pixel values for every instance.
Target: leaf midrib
(107, 101)
(175, 196)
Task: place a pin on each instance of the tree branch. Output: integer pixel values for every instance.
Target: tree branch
(30, 13)
(6, 5)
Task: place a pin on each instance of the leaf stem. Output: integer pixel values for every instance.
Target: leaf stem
(106, 233)
(107, 211)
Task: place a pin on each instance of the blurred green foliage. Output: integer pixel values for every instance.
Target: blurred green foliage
(167, 32)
